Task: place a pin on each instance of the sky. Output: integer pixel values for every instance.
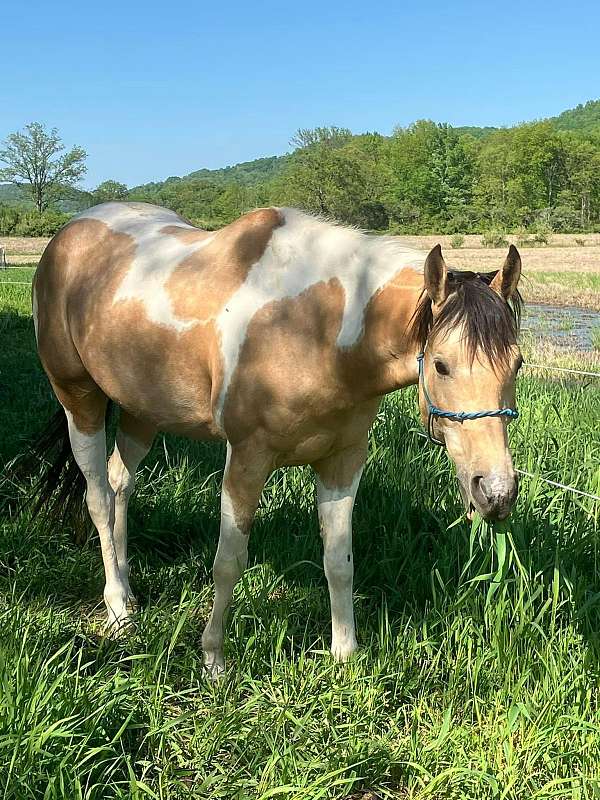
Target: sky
(152, 90)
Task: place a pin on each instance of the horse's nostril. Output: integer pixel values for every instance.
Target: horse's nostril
(478, 488)
(493, 495)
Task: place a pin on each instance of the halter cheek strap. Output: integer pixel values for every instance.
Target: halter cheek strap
(459, 416)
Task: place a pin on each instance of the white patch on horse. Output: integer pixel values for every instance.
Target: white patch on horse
(230, 562)
(302, 252)
(157, 255)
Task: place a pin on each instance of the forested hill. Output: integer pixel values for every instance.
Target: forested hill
(584, 118)
(427, 177)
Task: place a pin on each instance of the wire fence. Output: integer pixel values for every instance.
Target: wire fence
(561, 369)
(533, 475)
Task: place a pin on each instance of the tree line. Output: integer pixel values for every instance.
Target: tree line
(427, 177)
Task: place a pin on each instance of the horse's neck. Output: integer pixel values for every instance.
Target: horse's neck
(386, 353)
(382, 283)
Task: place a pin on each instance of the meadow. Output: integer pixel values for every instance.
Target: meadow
(560, 273)
(479, 669)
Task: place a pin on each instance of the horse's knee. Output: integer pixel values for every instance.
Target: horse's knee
(121, 480)
(229, 565)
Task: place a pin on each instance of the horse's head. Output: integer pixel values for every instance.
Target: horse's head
(467, 326)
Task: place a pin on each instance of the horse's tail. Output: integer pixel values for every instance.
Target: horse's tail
(57, 486)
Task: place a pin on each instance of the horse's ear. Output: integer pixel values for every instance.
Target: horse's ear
(436, 276)
(506, 279)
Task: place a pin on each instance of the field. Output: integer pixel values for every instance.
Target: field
(562, 273)
(479, 669)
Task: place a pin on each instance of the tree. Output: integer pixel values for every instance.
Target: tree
(36, 159)
(323, 176)
(109, 190)
(431, 184)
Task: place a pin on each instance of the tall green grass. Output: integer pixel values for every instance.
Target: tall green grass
(479, 665)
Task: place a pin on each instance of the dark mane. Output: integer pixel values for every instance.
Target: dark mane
(490, 324)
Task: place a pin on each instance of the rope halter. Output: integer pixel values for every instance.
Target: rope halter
(459, 416)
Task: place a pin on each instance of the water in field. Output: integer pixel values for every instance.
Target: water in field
(566, 326)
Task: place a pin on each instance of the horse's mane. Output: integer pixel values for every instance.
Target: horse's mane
(489, 323)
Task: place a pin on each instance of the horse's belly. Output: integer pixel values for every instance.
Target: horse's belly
(155, 373)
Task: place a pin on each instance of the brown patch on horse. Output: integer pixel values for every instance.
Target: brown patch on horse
(186, 235)
(378, 357)
(291, 380)
(201, 285)
(83, 264)
(92, 348)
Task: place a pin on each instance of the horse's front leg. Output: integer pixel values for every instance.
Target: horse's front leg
(337, 482)
(245, 475)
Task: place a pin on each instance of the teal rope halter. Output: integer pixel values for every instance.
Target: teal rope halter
(459, 416)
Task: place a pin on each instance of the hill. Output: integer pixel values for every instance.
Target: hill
(74, 199)
(247, 173)
(584, 118)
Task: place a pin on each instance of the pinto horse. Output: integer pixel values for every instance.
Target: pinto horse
(279, 334)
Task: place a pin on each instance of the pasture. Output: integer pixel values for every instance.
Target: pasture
(560, 273)
(479, 668)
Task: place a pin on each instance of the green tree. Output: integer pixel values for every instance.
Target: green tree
(109, 190)
(431, 170)
(521, 173)
(36, 159)
(323, 176)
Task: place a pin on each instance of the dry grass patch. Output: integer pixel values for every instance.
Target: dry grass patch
(472, 241)
(24, 245)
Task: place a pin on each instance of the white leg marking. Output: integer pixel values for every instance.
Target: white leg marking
(230, 562)
(335, 516)
(89, 451)
(121, 475)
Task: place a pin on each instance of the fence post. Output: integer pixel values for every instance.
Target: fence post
(3, 264)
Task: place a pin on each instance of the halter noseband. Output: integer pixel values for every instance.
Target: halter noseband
(459, 416)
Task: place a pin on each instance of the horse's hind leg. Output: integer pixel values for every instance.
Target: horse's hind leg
(85, 407)
(134, 439)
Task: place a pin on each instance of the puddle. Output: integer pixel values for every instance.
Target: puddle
(566, 326)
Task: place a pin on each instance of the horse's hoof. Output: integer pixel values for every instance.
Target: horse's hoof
(214, 670)
(118, 628)
(344, 652)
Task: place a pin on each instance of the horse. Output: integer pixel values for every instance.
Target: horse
(280, 334)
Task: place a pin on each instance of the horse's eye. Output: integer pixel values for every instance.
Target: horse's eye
(519, 364)
(441, 368)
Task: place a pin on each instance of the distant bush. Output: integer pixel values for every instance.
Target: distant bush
(457, 240)
(494, 239)
(523, 238)
(26, 222)
(9, 219)
(542, 233)
(580, 241)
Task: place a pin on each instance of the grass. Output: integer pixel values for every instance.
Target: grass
(563, 288)
(479, 670)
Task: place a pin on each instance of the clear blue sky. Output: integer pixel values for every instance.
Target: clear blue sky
(152, 90)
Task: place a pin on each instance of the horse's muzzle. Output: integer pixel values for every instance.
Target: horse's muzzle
(494, 495)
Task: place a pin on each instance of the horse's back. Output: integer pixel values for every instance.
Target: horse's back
(128, 294)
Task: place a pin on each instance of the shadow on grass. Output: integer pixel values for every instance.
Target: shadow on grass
(405, 555)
